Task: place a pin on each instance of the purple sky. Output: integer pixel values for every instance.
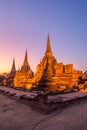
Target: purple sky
(26, 23)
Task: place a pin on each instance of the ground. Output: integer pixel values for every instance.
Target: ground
(18, 116)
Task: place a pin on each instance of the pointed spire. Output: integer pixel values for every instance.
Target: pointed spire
(48, 48)
(26, 67)
(13, 70)
(13, 65)
(26, 58)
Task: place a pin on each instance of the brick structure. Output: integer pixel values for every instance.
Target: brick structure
(49, 75)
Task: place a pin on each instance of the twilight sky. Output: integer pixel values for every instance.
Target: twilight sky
(26, 23)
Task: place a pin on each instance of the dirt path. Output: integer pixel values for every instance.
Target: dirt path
(17, 116)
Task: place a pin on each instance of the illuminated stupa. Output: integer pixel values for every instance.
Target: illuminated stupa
(52, 75)
(23, 74)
